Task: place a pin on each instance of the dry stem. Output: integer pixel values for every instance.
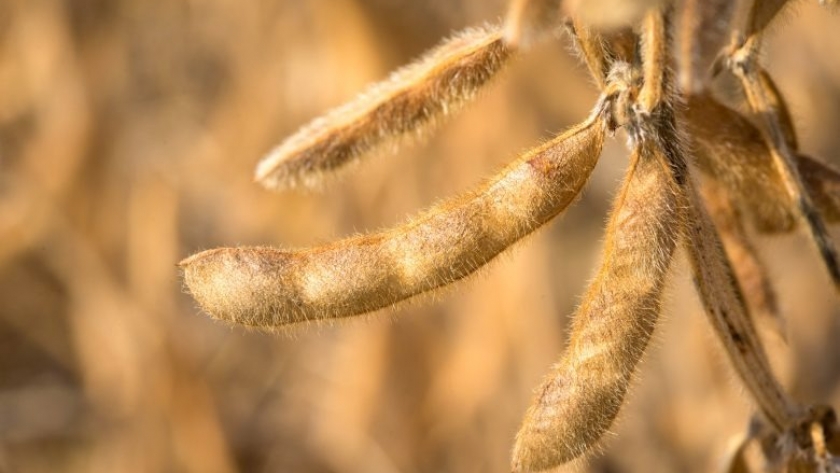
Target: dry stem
(765, 105)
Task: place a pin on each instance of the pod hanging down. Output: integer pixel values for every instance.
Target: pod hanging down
(581, 397)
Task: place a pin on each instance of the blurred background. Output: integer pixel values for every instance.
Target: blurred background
(128, 134)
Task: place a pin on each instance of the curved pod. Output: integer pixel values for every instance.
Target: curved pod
(581, 397)
(413, 98)
(267, 287)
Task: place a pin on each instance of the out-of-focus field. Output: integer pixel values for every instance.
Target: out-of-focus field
(128, 134)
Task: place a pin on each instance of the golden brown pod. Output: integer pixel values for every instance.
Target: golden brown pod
(731, 150)
(729, 315)
(528, 21)
(413, 98)
(823, 183)
(581, 397)
(267, 287)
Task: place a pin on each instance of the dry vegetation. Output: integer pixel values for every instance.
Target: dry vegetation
(128, 134)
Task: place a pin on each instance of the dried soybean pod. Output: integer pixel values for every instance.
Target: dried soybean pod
(267, 287)
(412, 99)
(703, 32)
(581, 397)
(730, 149)
(726, 308)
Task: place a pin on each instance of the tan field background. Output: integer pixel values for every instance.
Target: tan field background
(128, 134)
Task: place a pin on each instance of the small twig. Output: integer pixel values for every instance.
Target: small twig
(777, 106)
(703, 32)
(730, 149)
(528, 21)
(725, 305)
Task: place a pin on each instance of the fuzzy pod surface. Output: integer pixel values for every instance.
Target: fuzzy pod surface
(581, 397)
(269, 287)
(409, 101)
